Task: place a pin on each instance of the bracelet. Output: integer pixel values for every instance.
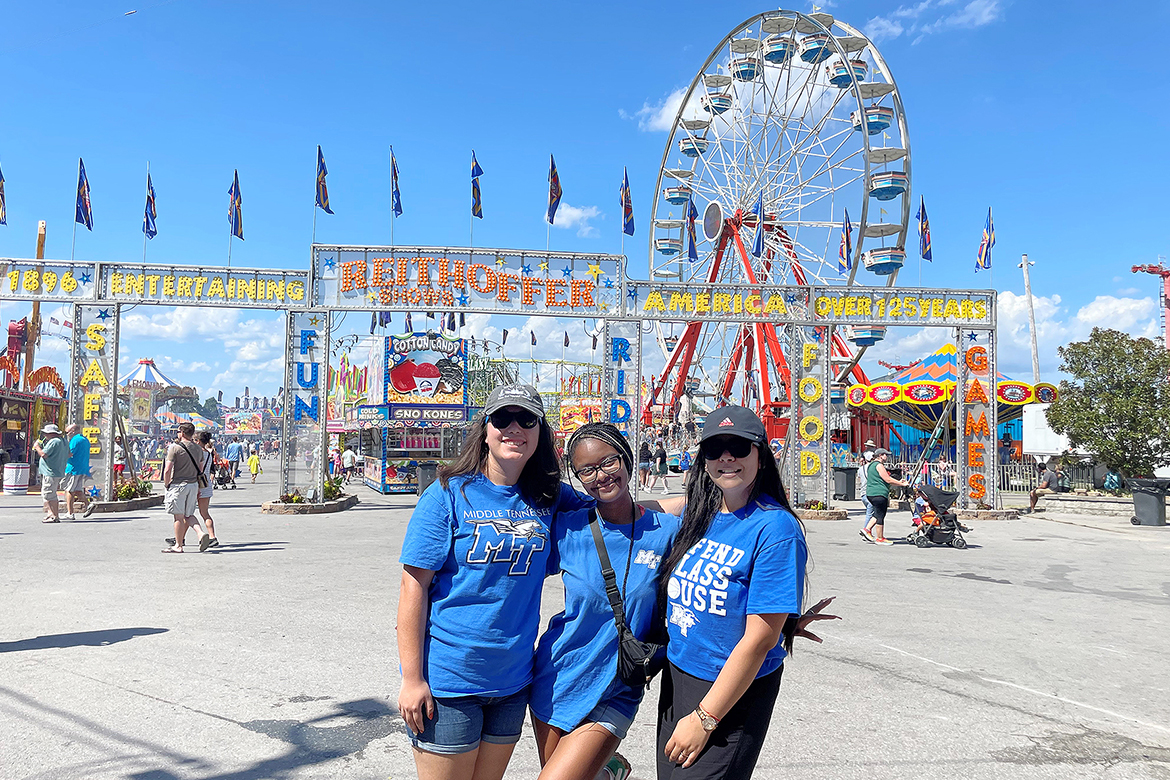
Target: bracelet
(708, 720)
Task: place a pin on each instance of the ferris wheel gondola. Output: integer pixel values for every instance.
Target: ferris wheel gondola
(786, 113)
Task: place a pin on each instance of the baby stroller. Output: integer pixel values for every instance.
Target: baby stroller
(223, 475)
(938, 524)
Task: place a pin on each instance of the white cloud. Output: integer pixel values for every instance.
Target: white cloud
(578, 217)
(1127, 291)
(659, 117)
(880, 29)
(976, 13)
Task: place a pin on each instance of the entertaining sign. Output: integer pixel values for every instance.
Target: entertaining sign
(205, 286)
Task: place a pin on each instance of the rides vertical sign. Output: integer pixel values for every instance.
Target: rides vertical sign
(93, 388)
(810, 459)
(622, 376)
(306, 366)
(977, 420)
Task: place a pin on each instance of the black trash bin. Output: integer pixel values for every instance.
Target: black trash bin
(427, 473)
(845, 483)
(1149, 501)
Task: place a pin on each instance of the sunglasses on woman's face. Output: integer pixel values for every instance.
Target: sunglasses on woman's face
(737, 447)
(501, 419)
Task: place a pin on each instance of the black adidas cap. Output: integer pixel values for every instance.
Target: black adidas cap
(734, 421)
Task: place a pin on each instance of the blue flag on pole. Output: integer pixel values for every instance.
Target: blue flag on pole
(627, 205)
(983, 261)
(554, 190)
(923, 231)
(3, 208)
(148, 224)
(476, 202)
(395, 196)
(236, 207)
(845, 252)
(322, 189)
(758, 210)
(84, 213)
(692, 215)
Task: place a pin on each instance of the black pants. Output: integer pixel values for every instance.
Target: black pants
(881, 505)
(734, 746)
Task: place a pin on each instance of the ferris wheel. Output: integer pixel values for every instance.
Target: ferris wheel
(793, 119)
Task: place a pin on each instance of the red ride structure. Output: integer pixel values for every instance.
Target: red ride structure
(1164, 311)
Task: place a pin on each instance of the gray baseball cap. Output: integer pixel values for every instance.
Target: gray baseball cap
(524, 396)
(881, 451)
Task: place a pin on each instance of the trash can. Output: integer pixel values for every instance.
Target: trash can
(427, 473)
(845, 483)
(1149, 501)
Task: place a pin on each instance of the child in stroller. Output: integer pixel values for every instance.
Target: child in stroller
(223, 475)
(937, 523)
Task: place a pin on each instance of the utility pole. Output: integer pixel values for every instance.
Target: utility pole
(34, 322)
(1031, 321)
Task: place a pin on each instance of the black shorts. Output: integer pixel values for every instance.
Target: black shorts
(734, 746)
(881, 505)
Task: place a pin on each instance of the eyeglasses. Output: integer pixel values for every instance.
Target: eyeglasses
(610, 465)
(501, 419)
(714, 448)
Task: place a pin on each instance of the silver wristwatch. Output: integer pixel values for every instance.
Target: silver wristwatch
(708, 721)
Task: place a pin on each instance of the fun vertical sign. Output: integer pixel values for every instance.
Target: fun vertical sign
(93, 388)
(306, 366)
(810, 461)
(977, 418)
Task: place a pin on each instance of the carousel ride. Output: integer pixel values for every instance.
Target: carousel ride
(791, 151)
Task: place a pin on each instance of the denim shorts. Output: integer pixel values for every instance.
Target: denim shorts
(462, 722)
(610, 719)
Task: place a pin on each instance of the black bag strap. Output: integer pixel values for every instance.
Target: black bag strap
(198, 471)
(616, 596)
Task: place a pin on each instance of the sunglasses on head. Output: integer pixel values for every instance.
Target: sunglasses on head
(714, 448)
(502, 419)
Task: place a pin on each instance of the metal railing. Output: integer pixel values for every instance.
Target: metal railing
(1013, 477)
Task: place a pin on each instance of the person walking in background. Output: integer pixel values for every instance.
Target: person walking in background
(254, 466)
(877, 488)
(119, 461)
(863, 477)
(76, 472)
(235, 454)
(54, 455)
(182, 479)
(207, 486)
(659, 468)
(348, 462)
(644, 458)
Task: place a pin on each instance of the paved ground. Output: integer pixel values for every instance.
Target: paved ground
(1039, 652)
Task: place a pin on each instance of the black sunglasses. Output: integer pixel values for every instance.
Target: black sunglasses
(501, 419)
(714, 448)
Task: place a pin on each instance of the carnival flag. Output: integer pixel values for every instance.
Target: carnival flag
(533, 334)
(983, 261)
(505, 339)
(627, 205)
(409, 326)
(566, 338)
(148, 218)
(322, 189)
(923, 231)
(845, 253)
(236, 207)
(758, 210)
(84, 213)
(3, 209)
(692, 215)
(462, 322)
(476, 203)
(554, 193)
(395, 196)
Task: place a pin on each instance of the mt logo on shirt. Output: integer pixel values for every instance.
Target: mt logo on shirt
(501, 536)
(682, 617)
(648, 558)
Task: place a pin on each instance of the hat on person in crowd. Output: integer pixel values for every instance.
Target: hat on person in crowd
(524, 396)
(734, 421)
(51, 428)
(869, 443)
(881, 451)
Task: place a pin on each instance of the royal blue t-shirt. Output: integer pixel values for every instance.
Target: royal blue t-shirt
(750, 562)
(489, 550)
(78, 456)
(576, 658)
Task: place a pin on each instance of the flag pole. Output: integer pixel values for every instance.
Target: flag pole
(229, 250)
(73, 243)
(144, 236)
(391, 194)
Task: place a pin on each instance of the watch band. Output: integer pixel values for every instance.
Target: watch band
(709, 721)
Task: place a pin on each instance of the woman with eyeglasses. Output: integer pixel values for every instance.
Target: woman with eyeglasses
(734, 583)
(581, 710)
(474, 561)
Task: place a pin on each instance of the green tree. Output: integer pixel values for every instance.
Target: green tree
(1117, 404)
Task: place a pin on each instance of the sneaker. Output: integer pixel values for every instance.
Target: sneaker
(882, 541)
(866, 534)
(170, 540)
(89, 509)
(665, 491)
(68, 517)
(51, 519)
(618, 768)
(213, 543)
(204, 542)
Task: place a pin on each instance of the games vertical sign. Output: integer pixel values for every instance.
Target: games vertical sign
(306, 367)
(621, 376)
(977, 419)
(810, 458)
(93, 388)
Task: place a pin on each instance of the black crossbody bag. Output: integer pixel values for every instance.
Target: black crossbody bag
(200, 477)
(637, 661)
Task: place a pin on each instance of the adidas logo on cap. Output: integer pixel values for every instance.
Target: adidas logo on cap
(726, 423)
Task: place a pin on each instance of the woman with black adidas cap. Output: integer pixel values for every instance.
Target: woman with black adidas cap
(734, 584)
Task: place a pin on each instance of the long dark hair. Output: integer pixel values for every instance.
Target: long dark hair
(540, 481)
(705, 500)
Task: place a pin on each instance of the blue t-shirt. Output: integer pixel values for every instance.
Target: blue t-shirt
(78, 456)
(751, 562)
(489, 550)
(576, 659)
(235, 451)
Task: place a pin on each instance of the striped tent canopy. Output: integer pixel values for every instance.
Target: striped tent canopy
(168, 418)
(917, 395)
(146, 374)
(200, 422)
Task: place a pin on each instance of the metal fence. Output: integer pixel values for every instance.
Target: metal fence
(1013, 477)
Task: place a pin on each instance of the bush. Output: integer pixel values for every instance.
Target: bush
(334, 488)
(133, 488)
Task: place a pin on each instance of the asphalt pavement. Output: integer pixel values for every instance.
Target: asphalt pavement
(1041, 651)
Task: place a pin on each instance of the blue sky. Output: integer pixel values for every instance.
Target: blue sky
(1048, 117)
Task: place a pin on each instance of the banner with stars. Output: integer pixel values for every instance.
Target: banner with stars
(491, 281)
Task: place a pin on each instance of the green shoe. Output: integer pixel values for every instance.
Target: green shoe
(618, 768)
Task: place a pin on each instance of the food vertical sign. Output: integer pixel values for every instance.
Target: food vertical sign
(810, 459)
(93, 388)
(306, 366)
(977, 418)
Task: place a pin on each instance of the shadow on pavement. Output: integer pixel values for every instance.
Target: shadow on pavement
(102, 638)
(247, 547)
(110, 520)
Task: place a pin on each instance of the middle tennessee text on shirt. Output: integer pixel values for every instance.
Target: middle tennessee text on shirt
(489, 550)
(576, 659)
(751, 562)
